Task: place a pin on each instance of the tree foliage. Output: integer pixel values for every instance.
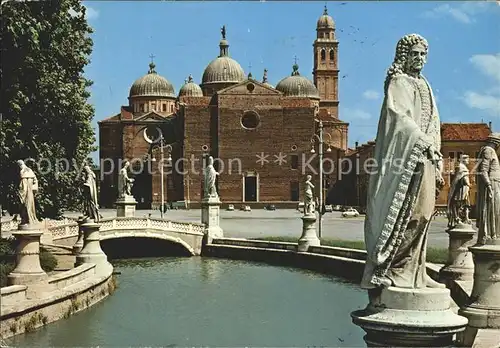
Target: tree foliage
(45, 111)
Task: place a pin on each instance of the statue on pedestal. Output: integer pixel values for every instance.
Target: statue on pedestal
(309, 203)
(209, 179)
(90, 202)
(458, 196)
(401, 192)
(28, 187)
(488, 192)
(124, 182)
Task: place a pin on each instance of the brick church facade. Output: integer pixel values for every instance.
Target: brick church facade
(260, 136)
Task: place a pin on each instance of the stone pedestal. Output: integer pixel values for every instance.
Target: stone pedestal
(28, 269)
(210, 216)
(309, 236)
(78, 246)
(484, 310)
(401, 317)
(460, 265)
(125, 206)
(91, 251)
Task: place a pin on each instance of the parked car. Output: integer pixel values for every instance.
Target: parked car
(230, 207)
(245, 208)
(328, 208)
(350, 212)
(270, 207)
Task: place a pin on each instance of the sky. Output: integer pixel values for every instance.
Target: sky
(463, 65)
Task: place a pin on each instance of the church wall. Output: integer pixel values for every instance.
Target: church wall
(196, 119)
(284, 122)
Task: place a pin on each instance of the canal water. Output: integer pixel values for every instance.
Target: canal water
(175, 301)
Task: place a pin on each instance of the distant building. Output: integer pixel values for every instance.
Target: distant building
(456, 139)
(259, 134)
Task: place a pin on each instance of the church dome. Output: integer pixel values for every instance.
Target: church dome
(190, 89)
(223, 68)
(325, 21)
(152, 85)
(297, 86)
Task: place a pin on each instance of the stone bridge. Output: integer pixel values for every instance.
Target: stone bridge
(65, 232)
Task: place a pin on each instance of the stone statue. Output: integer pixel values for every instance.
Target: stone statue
(458, 196)
(223, 32)
(124, 182)
(209, 179)
(488, 193)
(309, 202)
(28, 187)
(90, 202)
(401, 192)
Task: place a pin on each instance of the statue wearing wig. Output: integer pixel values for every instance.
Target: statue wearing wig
(402, 191)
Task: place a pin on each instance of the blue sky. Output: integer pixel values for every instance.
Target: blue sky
(463, 61)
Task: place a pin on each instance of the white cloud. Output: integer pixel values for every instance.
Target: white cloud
(488, 64)
(356, 114)
(371, 94)
(463, 13)
(489, 100)
(485, 102)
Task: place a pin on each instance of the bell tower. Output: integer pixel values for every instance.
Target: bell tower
(326, 71)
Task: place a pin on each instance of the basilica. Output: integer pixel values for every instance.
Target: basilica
(264, 138)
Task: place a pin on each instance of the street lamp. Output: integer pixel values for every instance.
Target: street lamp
(162, 159)
(321, 153)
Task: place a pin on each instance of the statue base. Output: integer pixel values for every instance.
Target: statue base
(309, 236)
(403, 317)
(91, 251)
(125, 206)
(28, 269)
(78, 246)
(460, 265)
(210, 216)
(484, 311)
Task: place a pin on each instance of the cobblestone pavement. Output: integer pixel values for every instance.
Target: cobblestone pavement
(283, 223)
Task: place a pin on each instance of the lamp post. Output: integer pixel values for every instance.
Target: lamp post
(162, 159)
(321, 153)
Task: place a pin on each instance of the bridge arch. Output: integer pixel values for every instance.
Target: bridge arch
(144, 246)
(147, 234)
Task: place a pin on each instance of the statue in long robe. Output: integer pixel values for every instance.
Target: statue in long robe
(28, 187)
(309, 203)
(488, 193)
(209, 179)
(402, 191)
(458, 196)
(124, 182)
(90, 202)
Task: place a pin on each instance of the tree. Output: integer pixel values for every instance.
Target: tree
(45, 113)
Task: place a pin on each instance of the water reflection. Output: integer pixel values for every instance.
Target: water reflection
(212, 302)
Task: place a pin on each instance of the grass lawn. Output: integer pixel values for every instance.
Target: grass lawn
(434, 255)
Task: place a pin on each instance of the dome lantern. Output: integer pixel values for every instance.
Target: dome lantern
(223, 69)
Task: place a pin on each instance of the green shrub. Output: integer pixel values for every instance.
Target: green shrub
(47, 261)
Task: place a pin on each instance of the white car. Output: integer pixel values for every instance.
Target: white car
(350, 212)
(230, 207)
